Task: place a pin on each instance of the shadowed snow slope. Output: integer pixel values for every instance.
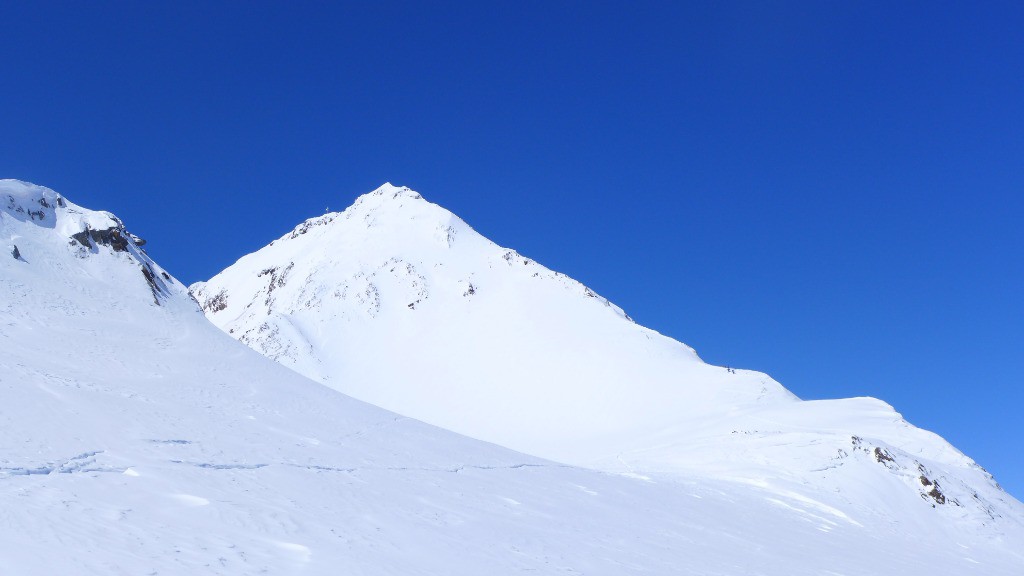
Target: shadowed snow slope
(136, 438)
(398, 302)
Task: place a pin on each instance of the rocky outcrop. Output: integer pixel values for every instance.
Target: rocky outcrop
(113, 237)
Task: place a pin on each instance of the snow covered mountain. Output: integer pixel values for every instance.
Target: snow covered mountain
(136, 438)
(398, 302)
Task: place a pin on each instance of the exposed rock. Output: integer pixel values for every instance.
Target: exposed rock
(112, 237)
(938, 496)
(154, 286)
(16, 253)
(311, 223)
(277, 280)
(81, 238)
(217, 303)
(883, 457)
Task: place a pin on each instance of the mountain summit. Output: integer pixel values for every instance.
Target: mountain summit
(398, 302)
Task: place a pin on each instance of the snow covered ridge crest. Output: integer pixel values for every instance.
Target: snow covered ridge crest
(35, 220)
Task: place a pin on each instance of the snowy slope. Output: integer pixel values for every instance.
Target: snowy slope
(136, 438)
(398, 302)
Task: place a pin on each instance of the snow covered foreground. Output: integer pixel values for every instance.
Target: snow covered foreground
(136, 438)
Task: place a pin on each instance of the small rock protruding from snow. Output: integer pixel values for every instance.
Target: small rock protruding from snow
(138, 241)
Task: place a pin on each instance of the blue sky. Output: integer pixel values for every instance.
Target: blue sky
(827, 192)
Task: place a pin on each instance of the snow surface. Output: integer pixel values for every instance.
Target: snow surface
(136, 438)
(400, 303)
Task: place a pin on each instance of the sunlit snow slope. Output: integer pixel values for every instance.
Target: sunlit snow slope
(136, 438)
(398, 302)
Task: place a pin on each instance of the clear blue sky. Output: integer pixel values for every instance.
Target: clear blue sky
(828, 192)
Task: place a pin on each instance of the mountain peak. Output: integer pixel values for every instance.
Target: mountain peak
(387, 203)
(389, 199)
(388, 191)
(398, 302)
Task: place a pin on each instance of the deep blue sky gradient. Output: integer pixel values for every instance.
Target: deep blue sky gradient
(827, 192)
